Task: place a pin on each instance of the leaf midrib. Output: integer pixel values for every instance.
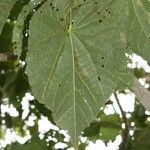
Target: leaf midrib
(74, 103)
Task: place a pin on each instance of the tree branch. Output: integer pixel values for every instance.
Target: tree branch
(7, 56)
(125, 132)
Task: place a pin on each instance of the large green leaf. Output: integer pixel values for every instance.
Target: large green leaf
(5, 8)
(75, 59)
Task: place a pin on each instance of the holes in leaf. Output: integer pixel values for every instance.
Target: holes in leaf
(107, 12)
(61, 19)
(95, 2)
(99, 78)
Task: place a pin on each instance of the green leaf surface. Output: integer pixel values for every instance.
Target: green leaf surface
(22, 25)
(5, 8)
(134, 26)
(110, 127)
(75, 59)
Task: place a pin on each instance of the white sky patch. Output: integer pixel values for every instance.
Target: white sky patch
(31, 120)
(126, 101)
(99, 144)
(26, 104)
(138, 62)
(147, 112)
(60, 145)
(109, 109)
(131, 132)
(83, 139)
(65, 133)
(8, 108)
(44, 125)
(23, 63)
(11, 136)
(143, 83)
(123, 125)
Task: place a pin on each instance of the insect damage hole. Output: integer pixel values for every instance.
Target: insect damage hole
(99, 78)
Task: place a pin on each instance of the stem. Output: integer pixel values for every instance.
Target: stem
(125, 132)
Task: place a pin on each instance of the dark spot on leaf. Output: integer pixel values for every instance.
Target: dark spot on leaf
(51, 4)
(99, 78)
(41, 11)
(102, 57)
(57, 9)
(98, 12)
(108, 12)
(106, 9)
(100, 21)
(103, 66)
(61, 19)
(84, 0)
(104, 17)
(53, 7)
(95, 2)
(59, 85)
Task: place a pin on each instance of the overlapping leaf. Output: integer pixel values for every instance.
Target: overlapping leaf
(5, 8)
